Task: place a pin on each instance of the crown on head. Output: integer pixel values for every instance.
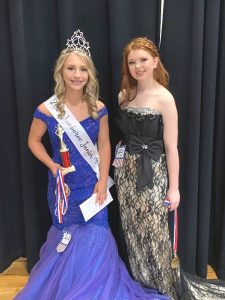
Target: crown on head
(78, 43)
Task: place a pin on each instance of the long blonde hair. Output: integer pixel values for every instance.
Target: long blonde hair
(129, 84)
(91, 90)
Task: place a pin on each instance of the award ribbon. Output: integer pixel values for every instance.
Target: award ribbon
(61, 197)
(175, 261)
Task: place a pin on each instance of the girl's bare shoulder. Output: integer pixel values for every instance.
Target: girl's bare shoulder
(44, 109)
(165, 97)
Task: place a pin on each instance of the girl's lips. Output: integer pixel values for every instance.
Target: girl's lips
(76, 81)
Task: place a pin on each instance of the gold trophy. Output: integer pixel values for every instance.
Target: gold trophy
(64, 151)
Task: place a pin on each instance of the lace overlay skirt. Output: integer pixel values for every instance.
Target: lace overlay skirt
(145, 225)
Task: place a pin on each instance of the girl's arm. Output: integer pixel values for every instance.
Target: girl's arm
(104, 150)
(37, 130)
(170, 137)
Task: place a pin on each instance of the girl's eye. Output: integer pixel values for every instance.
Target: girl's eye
(70, 68)
(130, 62)
(143, 59)
(83, 69)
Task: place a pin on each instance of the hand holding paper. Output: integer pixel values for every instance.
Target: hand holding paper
(89, 208)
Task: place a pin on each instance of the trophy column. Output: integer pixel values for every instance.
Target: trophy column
(64, 151)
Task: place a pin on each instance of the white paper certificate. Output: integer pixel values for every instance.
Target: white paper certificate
(89, 208)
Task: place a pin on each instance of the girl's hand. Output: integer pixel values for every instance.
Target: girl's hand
(101, 192)
(54, 167)
(174, 197)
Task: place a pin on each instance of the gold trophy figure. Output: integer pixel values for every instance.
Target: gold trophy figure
(64, 151)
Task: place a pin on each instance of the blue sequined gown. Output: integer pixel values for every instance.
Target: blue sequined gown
(90, 267)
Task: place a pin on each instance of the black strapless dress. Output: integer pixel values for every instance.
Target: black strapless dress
(141, 185)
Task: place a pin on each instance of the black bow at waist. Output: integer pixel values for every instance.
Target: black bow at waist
(148, 148)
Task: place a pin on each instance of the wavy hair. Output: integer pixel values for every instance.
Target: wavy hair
(91, 90)
(128, 83)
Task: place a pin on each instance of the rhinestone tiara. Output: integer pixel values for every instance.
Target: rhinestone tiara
(78, 43)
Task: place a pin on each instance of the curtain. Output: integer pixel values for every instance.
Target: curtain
(193, 50)
(33, 33)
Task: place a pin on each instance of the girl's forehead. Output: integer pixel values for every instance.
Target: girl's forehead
(138, 52)
(74, 59)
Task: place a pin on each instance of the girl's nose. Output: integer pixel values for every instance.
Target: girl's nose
(137, 64)
(77, 73)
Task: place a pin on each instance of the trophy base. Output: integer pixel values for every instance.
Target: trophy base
(68, 170)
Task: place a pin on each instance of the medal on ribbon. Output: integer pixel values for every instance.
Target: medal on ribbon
(62, 194)
(175, 264)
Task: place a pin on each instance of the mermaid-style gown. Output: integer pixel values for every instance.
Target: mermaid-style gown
(90, 267)
(142, 184)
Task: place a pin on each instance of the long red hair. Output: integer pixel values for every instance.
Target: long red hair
(129, 84)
